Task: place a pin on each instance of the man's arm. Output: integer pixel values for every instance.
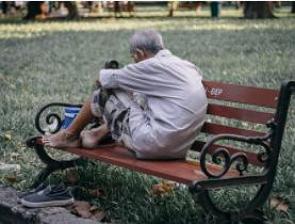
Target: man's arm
(134, 77)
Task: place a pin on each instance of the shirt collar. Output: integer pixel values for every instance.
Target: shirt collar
(163, 53)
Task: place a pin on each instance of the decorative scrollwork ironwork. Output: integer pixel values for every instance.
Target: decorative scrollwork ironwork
(250, 212)
(221, 156)
(51, 118)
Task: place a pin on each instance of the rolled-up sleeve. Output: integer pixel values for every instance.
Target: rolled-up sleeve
(108, 78)
(133, 77)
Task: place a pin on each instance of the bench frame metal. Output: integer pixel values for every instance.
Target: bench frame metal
(271, 142)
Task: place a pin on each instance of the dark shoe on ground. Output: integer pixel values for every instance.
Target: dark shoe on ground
(40, 187)
(22, 194)
(48, 197)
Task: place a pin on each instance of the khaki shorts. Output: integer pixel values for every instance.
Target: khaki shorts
(113, 107)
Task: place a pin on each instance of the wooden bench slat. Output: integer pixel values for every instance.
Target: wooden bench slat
(239, 114)
(252, 156)
(241, 94)
(212, 128)
(176, 170)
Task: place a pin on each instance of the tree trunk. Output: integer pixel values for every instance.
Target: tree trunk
(33, 9)
(293, 7)
(4, 7)
(172, 5)
(73, 10)
(258, 10)
(215, 9)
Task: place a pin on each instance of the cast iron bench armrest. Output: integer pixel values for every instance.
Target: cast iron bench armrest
(218, 180)
(51, 117)
(240, 158)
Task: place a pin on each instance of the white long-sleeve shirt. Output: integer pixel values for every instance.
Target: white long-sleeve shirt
(176, 104)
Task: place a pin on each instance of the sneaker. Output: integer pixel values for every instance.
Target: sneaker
(50, 196)
(40, 187)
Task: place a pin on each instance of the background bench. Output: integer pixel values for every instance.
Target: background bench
(235, 147)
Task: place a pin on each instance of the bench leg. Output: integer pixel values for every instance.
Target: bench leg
(254, 216)
(52, 165)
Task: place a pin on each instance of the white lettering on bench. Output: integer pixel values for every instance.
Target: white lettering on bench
(215, 91)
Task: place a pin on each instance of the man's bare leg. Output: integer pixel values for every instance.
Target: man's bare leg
(91, 138)
(70, 137)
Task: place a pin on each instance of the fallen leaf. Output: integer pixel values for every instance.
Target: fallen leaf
(85, 210)
(72, 176)
(11, 179)
(99, 215)
(82, 209)
(163, 188)
(157, 189)
(7, 136)
(279, 204)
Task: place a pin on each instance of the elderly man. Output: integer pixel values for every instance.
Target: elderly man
(155, 107)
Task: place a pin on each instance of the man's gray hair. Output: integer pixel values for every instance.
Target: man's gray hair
(149, 40)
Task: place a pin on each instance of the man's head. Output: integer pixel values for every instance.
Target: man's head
(145, 44)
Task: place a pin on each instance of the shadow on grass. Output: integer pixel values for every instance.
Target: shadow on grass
(154, 17)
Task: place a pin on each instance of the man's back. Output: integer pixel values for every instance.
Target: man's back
(175, 104)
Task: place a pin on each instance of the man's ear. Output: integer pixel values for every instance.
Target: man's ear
(140, 53)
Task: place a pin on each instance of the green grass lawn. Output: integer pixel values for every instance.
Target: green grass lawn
(58, 61)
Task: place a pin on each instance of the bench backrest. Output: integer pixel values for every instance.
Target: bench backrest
(236, 109)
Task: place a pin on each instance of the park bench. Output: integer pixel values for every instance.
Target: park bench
(240, 145)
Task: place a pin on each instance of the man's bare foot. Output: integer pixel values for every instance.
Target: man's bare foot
(91, 138)
(62, 139)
